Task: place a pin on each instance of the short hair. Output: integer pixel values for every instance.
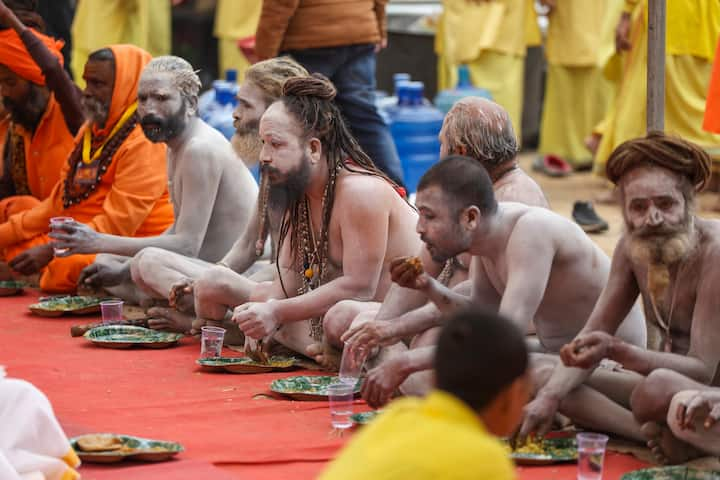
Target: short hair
(464, 181)
(484, 129)
(184, 76)
(270, 76)
(479, 353)
(658, 149)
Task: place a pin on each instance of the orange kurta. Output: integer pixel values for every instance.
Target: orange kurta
(131, 198)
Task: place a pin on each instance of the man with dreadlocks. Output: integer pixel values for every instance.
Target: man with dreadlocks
(211, 189)
(345, 220)
(114, 181)
(669, 257)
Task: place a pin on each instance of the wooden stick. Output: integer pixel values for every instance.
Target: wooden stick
(656, 65)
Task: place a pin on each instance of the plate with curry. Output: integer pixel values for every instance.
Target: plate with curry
(275, 363)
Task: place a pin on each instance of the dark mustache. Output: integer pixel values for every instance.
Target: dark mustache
(659, 231)
(151, 120)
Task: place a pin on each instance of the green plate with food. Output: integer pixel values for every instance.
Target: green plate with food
(112, 448)
(275, 363)
(126, 336)
(11, 287)
(56, 306)
(306, 387)
(671, 473)
(554, 449)
(363, 418)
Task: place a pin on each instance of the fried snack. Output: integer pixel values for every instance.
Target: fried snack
(416, 264)
(532, 446)
(100, 443)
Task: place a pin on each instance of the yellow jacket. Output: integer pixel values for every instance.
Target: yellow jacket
(431, 438)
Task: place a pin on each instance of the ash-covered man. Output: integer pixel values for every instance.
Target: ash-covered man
(552, 280)
(344, 223)
(212, 191)
(668, 256)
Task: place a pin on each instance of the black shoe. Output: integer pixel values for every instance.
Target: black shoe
(584, 215)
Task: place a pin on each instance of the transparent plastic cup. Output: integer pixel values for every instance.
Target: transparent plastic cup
(351, 364)
(591, 454)
(211, 342)
(55, 223)
(341, 404)
(111, 311)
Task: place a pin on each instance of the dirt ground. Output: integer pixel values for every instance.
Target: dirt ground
(563, 192)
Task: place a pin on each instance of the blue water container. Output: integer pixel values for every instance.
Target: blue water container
(447, 98)
(221, 116)
(207, 101)
(415, 127)
(386, 103)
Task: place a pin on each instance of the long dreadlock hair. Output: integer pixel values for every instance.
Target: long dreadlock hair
(310, 100)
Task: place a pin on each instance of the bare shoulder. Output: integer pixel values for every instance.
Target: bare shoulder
(364, 189)
(208, 144)
(710, 243)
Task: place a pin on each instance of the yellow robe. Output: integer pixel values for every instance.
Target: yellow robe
(693, 27)
(577, 95)
(99, 23)
(490, 38)
(235, 19)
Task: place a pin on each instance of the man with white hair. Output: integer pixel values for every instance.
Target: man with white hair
(212, 191)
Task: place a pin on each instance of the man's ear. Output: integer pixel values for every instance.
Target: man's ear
(315, 150)
(472, 217)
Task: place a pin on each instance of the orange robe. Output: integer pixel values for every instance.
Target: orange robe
(711, 122)
(131, 198)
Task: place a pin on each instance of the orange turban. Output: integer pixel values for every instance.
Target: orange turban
(15, 56)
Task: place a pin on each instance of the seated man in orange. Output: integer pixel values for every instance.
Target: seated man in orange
(45, 112)
(115, 180)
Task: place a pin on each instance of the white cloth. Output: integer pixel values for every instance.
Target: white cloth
(32, 443)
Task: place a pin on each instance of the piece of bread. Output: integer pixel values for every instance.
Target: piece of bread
(99, 443)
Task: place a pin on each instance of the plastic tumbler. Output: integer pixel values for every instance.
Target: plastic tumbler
(211, 342)
(351, 364)
(111, 311)
(55, 223)
(591, 453)
(341, 404)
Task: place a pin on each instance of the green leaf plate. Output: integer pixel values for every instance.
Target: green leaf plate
(363, 418)
(671, 473)
(56, 306)
(11, 287)
(555, 450)
(246, 364)
(134, 448)
(306, 387)
(126, 336)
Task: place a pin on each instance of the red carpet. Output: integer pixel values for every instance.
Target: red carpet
(227, 433)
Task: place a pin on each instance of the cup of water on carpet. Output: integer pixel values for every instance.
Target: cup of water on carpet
(211, 342)
(111, 311)
(341, 404)
(55, 223)
(351, 364)
(591, 453)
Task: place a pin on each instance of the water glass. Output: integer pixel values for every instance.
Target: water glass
(351, 364)
(591, 453)
(111, 311)
(341, 404)
(211, 342)
(55, 223)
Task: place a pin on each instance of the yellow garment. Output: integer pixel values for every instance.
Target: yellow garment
(431, 438)
(687, 77)
(235, 19)
(490, 38)
(576, 99)
(533, 36)
(576, 93)
(100, 23)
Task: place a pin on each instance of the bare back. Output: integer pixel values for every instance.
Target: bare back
(206, 166)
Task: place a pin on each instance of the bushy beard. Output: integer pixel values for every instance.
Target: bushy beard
(659, 249)
(95, 110)
(246, 142)
(29, 112)
(293, 184)
(158, 129)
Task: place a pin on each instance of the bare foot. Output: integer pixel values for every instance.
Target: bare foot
(665, 447)
(162, 318)
(592, 142)
(327, 356)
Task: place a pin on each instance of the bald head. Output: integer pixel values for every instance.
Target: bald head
(480, 129)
